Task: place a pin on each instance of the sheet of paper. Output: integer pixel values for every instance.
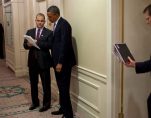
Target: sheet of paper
(31, 41)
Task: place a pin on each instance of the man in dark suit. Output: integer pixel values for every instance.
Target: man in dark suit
(143, 67)
(63, 59)
(1, 41)
(39, 62)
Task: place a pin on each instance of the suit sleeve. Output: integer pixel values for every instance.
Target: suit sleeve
(142, 67)
(65, 39)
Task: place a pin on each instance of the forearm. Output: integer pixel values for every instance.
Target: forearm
(142, 67)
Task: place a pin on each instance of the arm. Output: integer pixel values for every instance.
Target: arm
(46, 43)
(140, 67)
(143, 67)
(26, 44)
(65, 37)
(65, 42)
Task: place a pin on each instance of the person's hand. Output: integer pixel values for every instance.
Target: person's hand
(58, 67)
(29, 44)
(130, 63)
(35, 41)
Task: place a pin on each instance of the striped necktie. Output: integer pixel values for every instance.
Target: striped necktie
(38, 34)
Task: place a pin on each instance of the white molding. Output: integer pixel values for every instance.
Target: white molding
(91, 85)
(86, 102)
(21, 72)
(10, 64)
(86, 110)
(109, 59)
(90, 73)
(88, 83)
(95, 82)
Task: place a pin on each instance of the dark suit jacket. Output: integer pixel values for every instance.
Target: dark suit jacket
(62, 49)
(42, 56)
(142, 67)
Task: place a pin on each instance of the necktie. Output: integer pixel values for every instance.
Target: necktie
(38, 34)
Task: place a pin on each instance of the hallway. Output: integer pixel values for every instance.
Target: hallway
(15, 97)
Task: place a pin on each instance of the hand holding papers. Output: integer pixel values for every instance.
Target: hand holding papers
(31, 41)
(122, 52)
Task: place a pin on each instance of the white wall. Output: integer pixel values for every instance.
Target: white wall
(89, 29)
(138, 38)
(88, 19)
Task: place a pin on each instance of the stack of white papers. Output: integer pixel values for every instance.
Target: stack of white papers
(31, 41)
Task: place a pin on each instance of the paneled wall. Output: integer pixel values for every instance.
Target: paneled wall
(89, 95)
(14, 30)
(19, 16)
(89, 78)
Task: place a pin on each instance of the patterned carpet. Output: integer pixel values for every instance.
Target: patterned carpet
(15, 97)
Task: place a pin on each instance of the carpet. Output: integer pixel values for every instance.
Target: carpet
(15, 97)
(15, 100)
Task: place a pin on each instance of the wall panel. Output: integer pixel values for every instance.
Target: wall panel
(88, 91)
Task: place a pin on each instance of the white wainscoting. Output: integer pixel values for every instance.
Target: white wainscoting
(21, 69)
(10, 57)
(88, 93)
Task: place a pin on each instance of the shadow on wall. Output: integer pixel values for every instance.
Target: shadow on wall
(133, 110)
(74, 81)
(74, 43)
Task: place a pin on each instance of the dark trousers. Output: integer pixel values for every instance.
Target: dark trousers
(149, 105)
(63, 82)
(45, 79)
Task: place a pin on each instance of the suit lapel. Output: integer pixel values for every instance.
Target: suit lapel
(58, 24)
(33, 33)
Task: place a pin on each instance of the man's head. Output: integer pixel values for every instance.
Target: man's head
(40, 20)
(147, 14)
(53, 13)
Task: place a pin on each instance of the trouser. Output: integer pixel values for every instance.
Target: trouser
(63, 82)
(45, 79)
(149, 105)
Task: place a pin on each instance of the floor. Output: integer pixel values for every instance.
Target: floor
(15, 97)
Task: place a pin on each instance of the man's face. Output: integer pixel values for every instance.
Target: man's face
(40, 21)
(147, 18)
(52, 17)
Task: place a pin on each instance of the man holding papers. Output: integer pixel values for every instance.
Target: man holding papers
(142, 67)
(31, 41)
(38, 42)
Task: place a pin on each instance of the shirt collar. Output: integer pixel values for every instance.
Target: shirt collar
(57, 21)
(39, 28)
